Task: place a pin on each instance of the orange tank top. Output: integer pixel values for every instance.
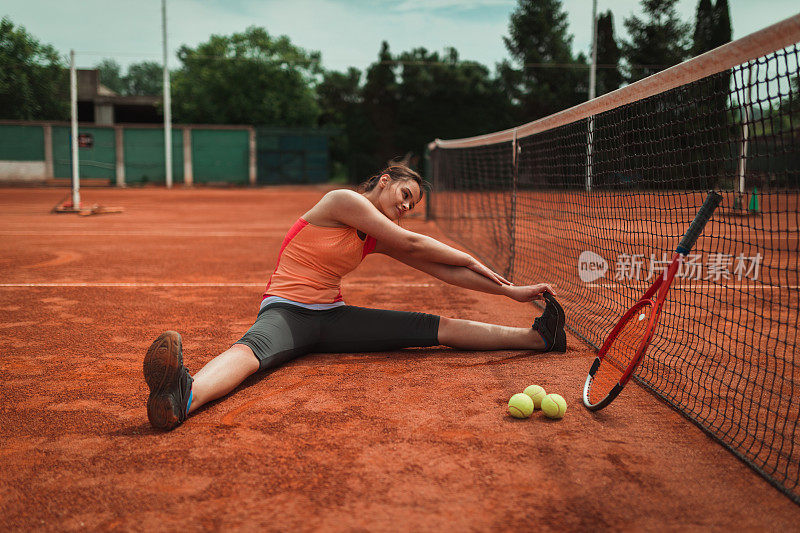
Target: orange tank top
(313, 260)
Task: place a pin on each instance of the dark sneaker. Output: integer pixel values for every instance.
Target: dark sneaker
(551, 325)
(169, 381)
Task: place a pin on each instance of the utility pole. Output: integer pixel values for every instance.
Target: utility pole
(167, 101)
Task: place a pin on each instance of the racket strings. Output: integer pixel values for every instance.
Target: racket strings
(620, 354)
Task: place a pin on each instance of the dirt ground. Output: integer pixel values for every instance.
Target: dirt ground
(414, 440)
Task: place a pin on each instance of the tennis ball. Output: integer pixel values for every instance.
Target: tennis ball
(554, 406)
(536, 393)
(520, 406)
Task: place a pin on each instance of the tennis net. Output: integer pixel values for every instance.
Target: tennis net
(594, 199)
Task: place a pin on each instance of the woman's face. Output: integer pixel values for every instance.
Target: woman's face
(398, 197)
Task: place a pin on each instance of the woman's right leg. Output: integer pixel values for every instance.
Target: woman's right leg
(281, 333)
(223, 374)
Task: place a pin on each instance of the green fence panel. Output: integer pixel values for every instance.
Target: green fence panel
(288, 155)
(221, 156)
(145, 157)
(21, 143)
(97, 161)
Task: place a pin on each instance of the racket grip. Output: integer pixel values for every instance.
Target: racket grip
(703, 216)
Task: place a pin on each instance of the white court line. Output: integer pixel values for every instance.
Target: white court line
(178, 284)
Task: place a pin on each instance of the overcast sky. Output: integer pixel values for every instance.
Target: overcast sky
(346, 32)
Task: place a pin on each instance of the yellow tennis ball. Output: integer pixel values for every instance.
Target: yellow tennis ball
(520, 406)
(554, 406)
(536, 393)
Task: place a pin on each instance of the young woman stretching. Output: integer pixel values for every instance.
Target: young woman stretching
(303, 311)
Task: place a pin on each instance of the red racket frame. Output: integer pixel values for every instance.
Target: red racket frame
(663, 282)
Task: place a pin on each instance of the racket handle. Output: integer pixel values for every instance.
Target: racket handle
(703, 216)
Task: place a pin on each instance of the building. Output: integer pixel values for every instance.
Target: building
(97, 104)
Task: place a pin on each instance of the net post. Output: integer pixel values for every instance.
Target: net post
(589, 141)
(513, 219)
(592, 92)
(428, 175)
(742, 167)
(593, 69)
(73, 97)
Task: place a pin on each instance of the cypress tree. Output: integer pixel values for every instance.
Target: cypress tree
(703, 28)
(657, 42)
(609, 76)
(539, 34)
(722, 24)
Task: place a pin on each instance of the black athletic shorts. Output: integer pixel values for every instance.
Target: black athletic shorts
(283, 332)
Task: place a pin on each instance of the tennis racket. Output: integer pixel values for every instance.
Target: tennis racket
(628, 341)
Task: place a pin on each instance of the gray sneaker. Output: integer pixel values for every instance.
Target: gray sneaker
(551, 325)
(169, 381)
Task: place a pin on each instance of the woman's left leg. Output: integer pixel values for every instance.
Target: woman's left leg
(471, 335)
(357, 329)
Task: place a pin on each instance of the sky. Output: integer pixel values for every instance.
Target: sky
(346, 32)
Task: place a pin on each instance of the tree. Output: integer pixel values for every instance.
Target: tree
(342, 110)
(111, 75)
(609, 76)
(145, 78)
(538, 36)
(722, 24)
(712, 29)
(703, 40)
(408, 100)
(659, 41)
(34, 82)
(380, 104)
(246, 78)
(446, 97)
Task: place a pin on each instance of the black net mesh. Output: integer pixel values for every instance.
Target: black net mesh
(597, 207)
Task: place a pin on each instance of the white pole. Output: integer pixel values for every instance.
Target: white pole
(592, 89)
(593, 68)
(745, 131)
(73, 104)
(167, 101)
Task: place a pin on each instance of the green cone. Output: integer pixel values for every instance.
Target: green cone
(753, 206)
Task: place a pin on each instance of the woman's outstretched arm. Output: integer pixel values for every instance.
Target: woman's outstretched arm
(470, 279)
(352, 209)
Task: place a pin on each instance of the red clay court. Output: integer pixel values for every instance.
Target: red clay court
(409, 440)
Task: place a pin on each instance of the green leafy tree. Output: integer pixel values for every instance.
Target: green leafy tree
(538, 36)
(722, 24)
(34, 83)
(446, 97)
(342, 110)
(406, 101)
(703, 40)
(246, 78)
(712, 29)
(609, 77)
(145, 78)
(380, 103)
(658, 41)
(111, 75)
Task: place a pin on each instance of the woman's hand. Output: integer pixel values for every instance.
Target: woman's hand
(529, 293)
(483, 270)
